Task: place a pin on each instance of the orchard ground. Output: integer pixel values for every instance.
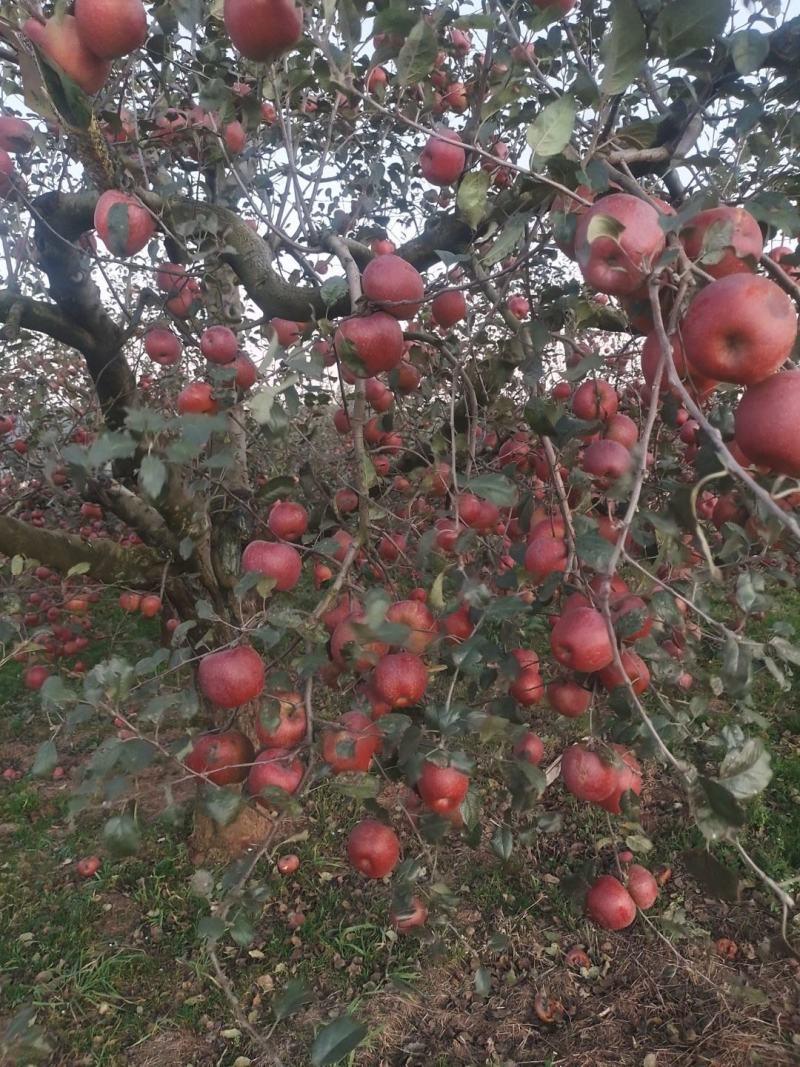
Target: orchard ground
(117, 974)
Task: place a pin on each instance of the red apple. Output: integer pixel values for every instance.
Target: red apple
(767, 422)
(263, 30)
(609, 904)
(393, 286)
(111, 28)
(739, 329)
(617, 243)
(232, 676)
(733, 246)
(281, 562)
(223, 758)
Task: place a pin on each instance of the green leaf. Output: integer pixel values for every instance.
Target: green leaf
(722, 802)
(222, 805)
(336, 1040)
(333, 290)
(749, 48)
(623, 49)
(152, 476)
(418, 54)
(483, 982)
(493, 487)
(210, 928)
(717, 879)
(502, 843)
(550, 131)
(349, 21)
(358, 786)
(594, 550)
(472, 197)
(121, 835)
(745, 772)
(295, 996)
(786, 650)
(509, 238)
(603, 226)
(45, 761)
(684, 25)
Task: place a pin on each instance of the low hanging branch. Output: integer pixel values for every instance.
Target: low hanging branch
(108, 561)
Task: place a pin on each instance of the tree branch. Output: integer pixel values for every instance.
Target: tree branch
(108, 562)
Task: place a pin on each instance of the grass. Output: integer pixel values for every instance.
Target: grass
(114, 966)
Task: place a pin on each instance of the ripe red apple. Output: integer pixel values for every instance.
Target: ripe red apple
(163, 346)
(623, 430)
(197, 398)
(442, 788)
(350, 743)
(529, 747)
(527, 688)
(379, 396)
(287, 331)
(373, 848)
(232, 676)
(609, 904)
(739, 329)
(263, 30)
(606, 460)
(382, 246)
(627, 776)
(150, 606)
(737, 228)
(586, 774)
(767, 424)
(580, 640)
(61, 42)
(289, 730)
(448, 308)
(35, 677)
(568, 698)
(519, 307)
(651, 354)
(374, 342)
(544, 556)
(642, 886)
(627, 605)
(111, 28)
(617, 243)
(394, 286)
(274, 560)
(767, 421)
(172, 279)
(88, 866)
(275, 768)
(777, 255)
(400, 679)
(288, 864)
(287, 520)
(417, 616)
(130, 601)
(234, 137)
(219, 345)
(443, 157)
(347, 646)
(595, 399)
(635, 669)
(246, 372)
(123, 223)
(563, 7)
(223, 758)
(16, 135)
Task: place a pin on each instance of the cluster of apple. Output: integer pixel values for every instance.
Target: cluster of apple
(85, 43)
(739, 329)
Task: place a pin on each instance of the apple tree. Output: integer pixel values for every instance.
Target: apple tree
(428, 372)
